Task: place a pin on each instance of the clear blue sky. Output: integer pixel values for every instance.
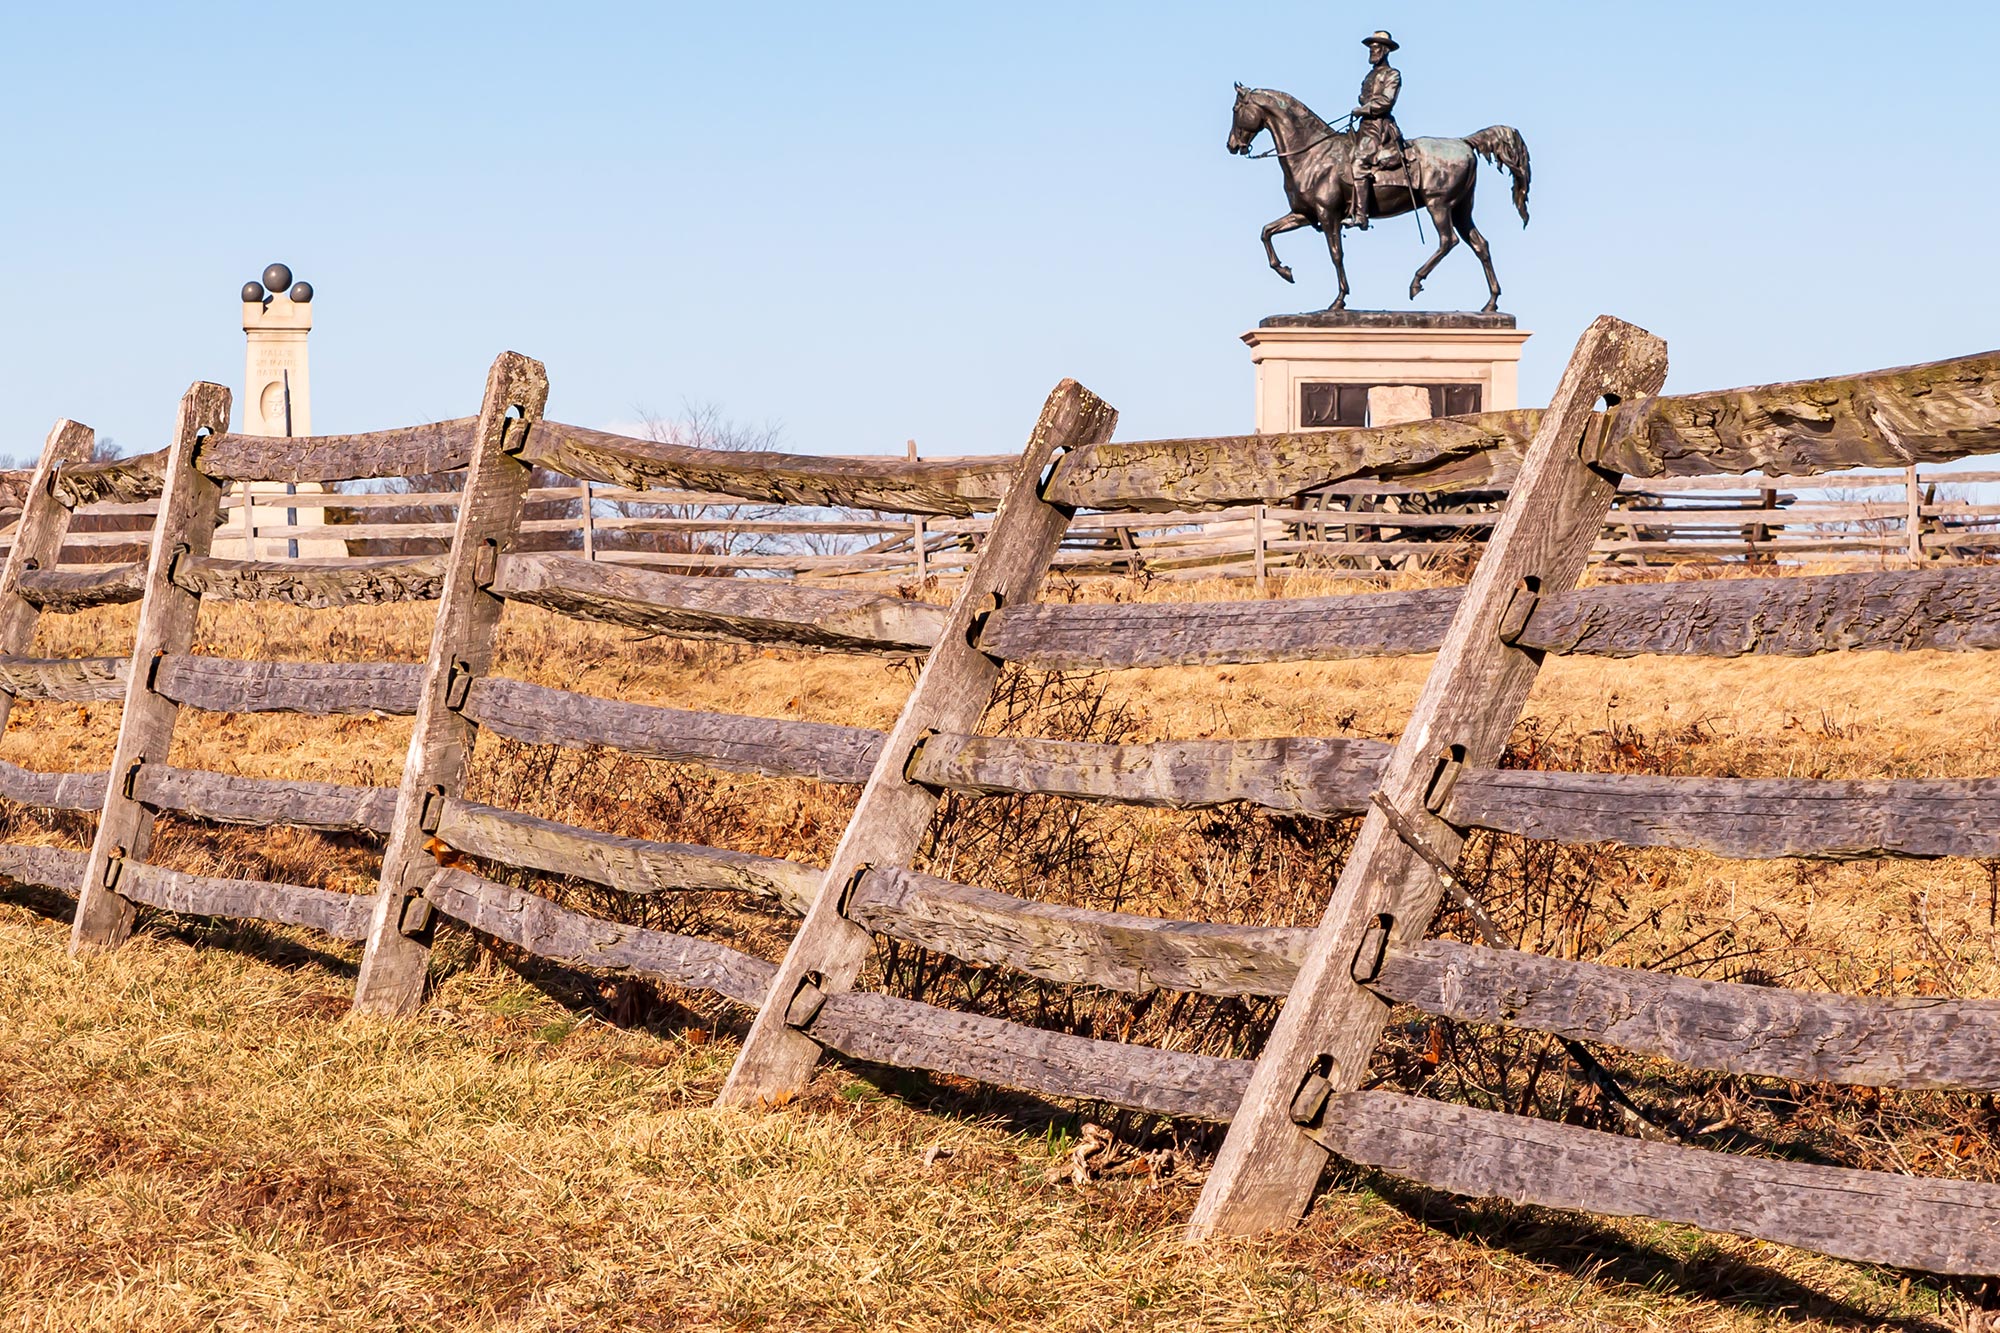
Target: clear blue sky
(868, 222)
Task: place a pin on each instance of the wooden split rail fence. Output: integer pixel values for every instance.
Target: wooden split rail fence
(1300, 1100)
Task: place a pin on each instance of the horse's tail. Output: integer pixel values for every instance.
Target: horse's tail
(1502, 145)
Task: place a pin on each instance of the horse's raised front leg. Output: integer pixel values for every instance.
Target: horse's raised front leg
(1462, 218)
(1289, 222)
(1339, 266)
(1447, 238)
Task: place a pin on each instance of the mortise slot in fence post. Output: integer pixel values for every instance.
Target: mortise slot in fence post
(189, 503)
(951, 693)
(1268, 1165)
(1520, 607)
(1257, 547)
(38, 540)
(462, 643)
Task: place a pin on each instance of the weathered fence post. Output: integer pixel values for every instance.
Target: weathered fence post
(1913, 515)
(921, 537)
(1330, 1024)
(1257, 547)
(189, 504)
(462, 646)
(38, 540)
(950, 695)
(589, 524)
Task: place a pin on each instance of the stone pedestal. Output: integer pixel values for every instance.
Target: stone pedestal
(1378, 367)
(275, 369)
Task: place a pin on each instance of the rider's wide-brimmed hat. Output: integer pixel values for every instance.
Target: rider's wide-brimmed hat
(1382, 37)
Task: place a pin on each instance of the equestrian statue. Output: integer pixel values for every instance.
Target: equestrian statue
(1336, 178)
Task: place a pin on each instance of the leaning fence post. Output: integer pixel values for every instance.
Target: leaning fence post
(1330, 1024)
(889, 821)
(38, 540)
(189, 504)
(462, 646)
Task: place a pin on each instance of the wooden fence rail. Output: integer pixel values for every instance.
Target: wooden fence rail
(1299, 1100)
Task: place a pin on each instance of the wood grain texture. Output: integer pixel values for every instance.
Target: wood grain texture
(548, 931)
(960, 487)
(1902, 1042)
(1148, 634)
(630, 865)
(230, 685)
(1119, 950)
(539, 715)
(122, 481)
(319, 583)
(228, 798)
(64, 679)
(462, 646)
(189, 505)
(51, 791)
(37, 544)
(1742, 817)
(1153, 475)
(743, 610)
(1930, 413)
(1268, 1167)
(1943, 1226)
(43, 867)
(1791, 617)
(68, 590)
(407, 451)
(341, 915)
(1294, 774)
(885, 1029)
(951, 693)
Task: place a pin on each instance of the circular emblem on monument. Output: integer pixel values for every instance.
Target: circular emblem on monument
(271, 403)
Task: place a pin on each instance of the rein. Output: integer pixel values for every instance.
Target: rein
(1294, 152)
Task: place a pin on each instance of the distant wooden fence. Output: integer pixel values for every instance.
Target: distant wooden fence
(1359, 528)
(1299, 1100)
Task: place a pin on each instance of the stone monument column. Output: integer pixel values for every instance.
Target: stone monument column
(276, 402)
(1333, 368)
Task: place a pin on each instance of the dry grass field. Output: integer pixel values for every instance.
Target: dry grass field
(194, 1135)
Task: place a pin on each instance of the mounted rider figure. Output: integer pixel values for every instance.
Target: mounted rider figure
(1378, 142)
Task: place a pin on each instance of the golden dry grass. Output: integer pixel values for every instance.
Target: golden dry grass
(194, 1136)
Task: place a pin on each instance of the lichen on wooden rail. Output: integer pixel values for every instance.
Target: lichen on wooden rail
(898, 486)
(1880, 1042)
(406, 451)
(1118, 950)
(539, 715)
(317, 583)
(742, 610)
(885, 1029)
(341, 915)
(69, 590)
(64, 679)
(230, 685)
(630, 865)
(1943, 1226)
(548, 931)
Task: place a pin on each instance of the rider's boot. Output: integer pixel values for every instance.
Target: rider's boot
(1364, 189)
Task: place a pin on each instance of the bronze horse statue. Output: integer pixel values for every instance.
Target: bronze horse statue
(1319, 181)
